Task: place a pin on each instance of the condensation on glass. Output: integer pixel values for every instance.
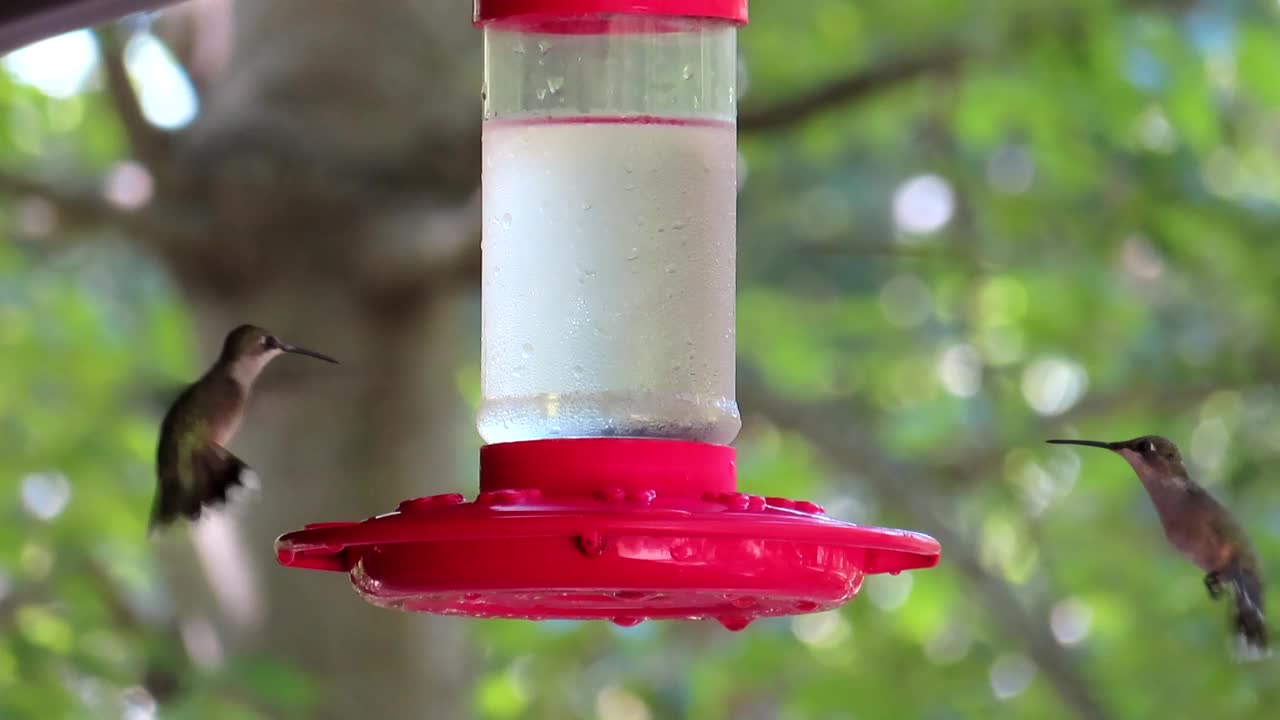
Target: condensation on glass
(610, 146)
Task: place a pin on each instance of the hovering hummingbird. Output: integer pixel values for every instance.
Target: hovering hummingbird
(193, 466)
(1199, 527)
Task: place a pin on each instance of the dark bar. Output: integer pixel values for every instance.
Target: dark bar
(23, 22)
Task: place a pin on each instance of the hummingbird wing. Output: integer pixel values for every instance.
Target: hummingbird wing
(198, 473)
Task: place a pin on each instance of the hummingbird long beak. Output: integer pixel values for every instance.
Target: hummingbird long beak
(310, 353)
(1088, 443)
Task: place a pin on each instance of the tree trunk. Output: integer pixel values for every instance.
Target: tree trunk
(329, 168)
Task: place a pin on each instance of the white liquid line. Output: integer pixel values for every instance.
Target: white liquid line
(609, 278)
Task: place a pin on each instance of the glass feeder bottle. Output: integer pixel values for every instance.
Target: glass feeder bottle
(610, 183)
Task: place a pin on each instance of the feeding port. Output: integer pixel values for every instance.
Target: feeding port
(608, 486)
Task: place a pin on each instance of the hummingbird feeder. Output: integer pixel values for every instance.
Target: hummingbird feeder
(608, 486)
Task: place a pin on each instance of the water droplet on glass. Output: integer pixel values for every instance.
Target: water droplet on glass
(586, 206)
(554, 84)
(541, 93)
(635, 253)
(518, 49)
(678, 225)
(670, 268)
(543, 46)
(526, 351)
(627, 168)
(506, 220)
(687, 72)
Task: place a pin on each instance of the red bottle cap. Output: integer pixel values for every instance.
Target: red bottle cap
(490, 10)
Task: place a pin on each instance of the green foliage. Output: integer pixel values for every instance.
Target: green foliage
(1115, 195)
(1106, 269)
(87, 335)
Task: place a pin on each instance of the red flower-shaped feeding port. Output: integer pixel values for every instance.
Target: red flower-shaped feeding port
(625, 529)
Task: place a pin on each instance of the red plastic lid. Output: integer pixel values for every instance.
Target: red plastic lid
(616, 528)
(490, 10)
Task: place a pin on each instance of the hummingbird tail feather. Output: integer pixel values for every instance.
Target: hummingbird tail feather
(1250, 624)
(214, 472)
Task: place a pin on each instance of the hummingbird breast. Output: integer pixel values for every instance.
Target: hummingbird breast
(1199, 544)
(226, 427)
(221, 401)
(1198, 527)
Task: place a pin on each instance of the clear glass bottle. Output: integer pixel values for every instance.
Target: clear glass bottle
(610, 184)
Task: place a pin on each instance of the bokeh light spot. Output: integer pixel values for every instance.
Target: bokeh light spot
(1209, 443)
(618, 703)
(1070, 621)
(128, 186)
(820, 630)
(960, 370)
(1154, 131)
(1002, 301)
(45, 495)
(1053, 385)
(950, 644)
(58, 66)
(164, 91)
(1011, 674)
(888, 592)
(923, 204)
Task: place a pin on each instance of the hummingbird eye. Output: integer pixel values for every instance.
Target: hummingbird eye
(1149, 446)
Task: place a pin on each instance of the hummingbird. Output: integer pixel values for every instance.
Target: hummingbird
(1199, 527)
(194, 469)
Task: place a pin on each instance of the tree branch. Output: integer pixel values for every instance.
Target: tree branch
(78, 205)
(148, 143)
(75, 205)
(427, 247)
(862, 85)
(836, 436)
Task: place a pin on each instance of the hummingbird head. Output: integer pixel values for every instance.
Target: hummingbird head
(1151, 456)
(249, 348)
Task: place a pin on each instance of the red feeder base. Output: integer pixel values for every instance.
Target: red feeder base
(626, 529)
